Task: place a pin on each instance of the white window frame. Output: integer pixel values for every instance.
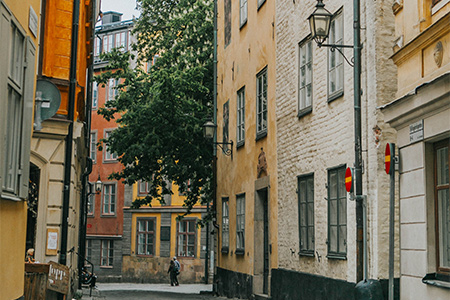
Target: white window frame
(335, 59)
(225, 225)
(93, 146)
(183, 245)
(94, 95)
(240, 224)
(261, 104)
(108, 156)
(109, 199)
(107, 253)
(97, 43)
(243, 12)
(112, 89)
(305, 75)
(240, 126)
(89, 250)
(143, 188)
(91, 203)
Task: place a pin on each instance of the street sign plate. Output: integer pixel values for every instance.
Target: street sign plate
(349, 180)
(387, 158)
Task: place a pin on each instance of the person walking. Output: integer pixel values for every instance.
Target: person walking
(173, 273)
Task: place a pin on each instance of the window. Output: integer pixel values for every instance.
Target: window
(93, 146)
(89, 250)
(109, 199)
(107, 253)
(305, 78)
(442, 194)
(91, 204)
(240, 224)
(121, 40)
(94, 95)
(105, 44)
(108, 155)
(240, 126)
(305, 190)
(227, 21)
(186, 238)
(16, 107)
(337, 213)
(143, 187)
(260, 3)
(335, 59)
(225, 226)
(110, 42)
(261, 104)
(112, 89)
(243, 12)
(97, 43)
(145, 236)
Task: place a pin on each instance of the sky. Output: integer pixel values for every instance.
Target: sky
(126, 7)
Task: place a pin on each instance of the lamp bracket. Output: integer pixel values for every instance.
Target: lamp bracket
(334, 47)
(227, 151)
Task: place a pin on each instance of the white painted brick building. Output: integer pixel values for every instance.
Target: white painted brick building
(316, 142)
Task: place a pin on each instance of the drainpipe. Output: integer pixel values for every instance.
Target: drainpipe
(214, 163)
(69, 137)
(84, 181)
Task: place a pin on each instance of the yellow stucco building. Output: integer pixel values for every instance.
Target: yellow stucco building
(153, 236)
(19, 34)
(246, 180)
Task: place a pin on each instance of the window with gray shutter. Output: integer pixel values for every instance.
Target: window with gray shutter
(337, 213)
(305, 190)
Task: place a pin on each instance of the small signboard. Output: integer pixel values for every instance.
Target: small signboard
(416, 131)
(58, 278)
(52, 241)
(33, 21)
(388, 157)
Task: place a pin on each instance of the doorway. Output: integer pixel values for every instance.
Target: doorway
(262, 238)
(32, 204)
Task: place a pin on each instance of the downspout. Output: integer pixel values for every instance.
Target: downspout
(214, 163)
(84, 180)
(69, 137)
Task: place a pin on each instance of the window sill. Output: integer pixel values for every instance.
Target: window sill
(225, 250)
(111, 161)
(260, 135)
(305, 111)
(437, 280)
(239, 252)
(306, 253)
(337, 256)
(10, 197)
(240, 144)
(261, 4)
(242, 25)
(335, 96)
(108, 216)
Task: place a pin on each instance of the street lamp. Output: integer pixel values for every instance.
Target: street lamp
(209, 132)
(319, 22)
(97, 187)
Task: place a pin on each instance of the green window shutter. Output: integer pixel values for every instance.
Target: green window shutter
(28, 102)
(5, 32)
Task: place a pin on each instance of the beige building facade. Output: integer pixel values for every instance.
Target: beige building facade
(317, 249)
(421, 115)
(247, 179)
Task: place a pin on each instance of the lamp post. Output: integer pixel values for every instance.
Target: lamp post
(319, 22)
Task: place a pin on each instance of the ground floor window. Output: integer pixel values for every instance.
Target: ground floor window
(186, 238)
(107, 253)
(146, 236)
(442, 198)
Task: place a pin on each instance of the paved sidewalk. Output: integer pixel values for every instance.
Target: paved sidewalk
(156, 287)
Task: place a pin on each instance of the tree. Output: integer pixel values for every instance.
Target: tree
(160, 113)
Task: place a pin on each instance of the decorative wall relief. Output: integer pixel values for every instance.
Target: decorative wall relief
(438, 54)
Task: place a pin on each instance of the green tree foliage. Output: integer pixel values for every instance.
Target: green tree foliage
(160, 111)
